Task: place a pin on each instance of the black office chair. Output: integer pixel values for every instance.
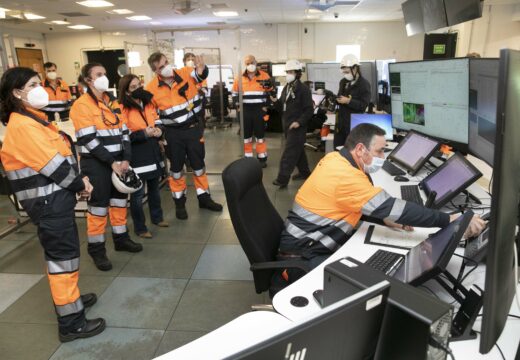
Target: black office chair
(256, 222)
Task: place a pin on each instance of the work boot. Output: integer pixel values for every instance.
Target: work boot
(180, 208)
(128, 245)
(206, 202)
(101, 261)
(88, 299)
(277, 182)
(89, 329)
(300, 176)
(263, 163)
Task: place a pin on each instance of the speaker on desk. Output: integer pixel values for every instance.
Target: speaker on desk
(414, 323)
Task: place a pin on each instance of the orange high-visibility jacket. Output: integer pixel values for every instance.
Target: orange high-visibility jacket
(59, 99)
(255, 90)
(100, 130)
(39, 164)
(177, 104)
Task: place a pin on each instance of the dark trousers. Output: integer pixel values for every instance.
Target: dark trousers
(184, 143)
(342, 128)
(154, 205)
(293, 155)
(254, 123)
(58, 235)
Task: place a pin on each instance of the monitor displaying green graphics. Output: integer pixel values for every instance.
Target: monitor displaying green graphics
(431, 97)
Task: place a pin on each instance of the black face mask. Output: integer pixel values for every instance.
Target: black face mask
(142, 94)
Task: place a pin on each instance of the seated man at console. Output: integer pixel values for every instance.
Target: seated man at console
(339, 193)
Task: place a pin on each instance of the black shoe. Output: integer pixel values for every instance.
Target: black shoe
(300, 176)
(209, 204)
(263, 163)
(280, 184)
(102, 263)
(89, 299)
(128, 245)
(91, 328)
(180, 208)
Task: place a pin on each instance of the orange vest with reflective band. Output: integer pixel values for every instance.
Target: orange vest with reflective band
(179, 103)
(254, 90)
(139, 120)
(59, 99)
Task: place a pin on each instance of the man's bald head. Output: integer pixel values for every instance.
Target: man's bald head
(249, 59)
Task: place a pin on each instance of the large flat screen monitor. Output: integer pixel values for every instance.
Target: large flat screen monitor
(413, 151)
(384, 121)
(431, 97)
(483, 95)
(500, 283)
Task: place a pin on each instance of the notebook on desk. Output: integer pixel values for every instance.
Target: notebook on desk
(396, 238)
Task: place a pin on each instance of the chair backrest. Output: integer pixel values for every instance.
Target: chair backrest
(256, 222)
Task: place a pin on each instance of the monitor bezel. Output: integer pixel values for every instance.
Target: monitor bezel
(413, 171)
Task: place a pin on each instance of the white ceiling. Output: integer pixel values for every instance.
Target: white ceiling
(250, 12)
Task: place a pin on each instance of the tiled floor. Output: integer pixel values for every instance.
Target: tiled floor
(190, 278)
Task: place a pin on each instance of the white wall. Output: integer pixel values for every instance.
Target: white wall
(19, 39)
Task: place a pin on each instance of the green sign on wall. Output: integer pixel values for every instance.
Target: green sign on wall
(439, 49)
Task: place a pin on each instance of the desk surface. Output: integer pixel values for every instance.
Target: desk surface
(357, 249)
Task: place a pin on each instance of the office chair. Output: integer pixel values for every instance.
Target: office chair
(256, 222)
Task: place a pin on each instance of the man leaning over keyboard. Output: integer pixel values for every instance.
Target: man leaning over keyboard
(338, 194)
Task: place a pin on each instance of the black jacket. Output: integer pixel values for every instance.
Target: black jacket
(297, 99)
(360, 92)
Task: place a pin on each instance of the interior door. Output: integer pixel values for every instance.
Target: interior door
(31, 58)
(110, 59)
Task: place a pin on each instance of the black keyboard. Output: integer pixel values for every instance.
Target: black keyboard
(392, 169)
(411, 193)
(385, 261)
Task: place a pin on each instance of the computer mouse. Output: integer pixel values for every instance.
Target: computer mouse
(401, 178)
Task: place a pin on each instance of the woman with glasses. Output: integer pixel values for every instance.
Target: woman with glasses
(104, 147)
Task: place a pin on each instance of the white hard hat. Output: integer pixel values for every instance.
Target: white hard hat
(349, 60)
(128, 183)
(293, 65)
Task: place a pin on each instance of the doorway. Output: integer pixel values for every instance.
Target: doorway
(110, 59)
(31, 58)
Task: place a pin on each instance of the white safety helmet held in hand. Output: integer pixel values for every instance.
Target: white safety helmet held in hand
(349, 60)
(128, 183)
(293, 65)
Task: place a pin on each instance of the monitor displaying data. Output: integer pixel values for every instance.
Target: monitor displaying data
(483, 94)
(384, 121)
(413, 151)
(431, 97)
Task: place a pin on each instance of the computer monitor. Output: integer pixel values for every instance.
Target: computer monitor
(384, 121)
(455, 175)
(346, 330)
(429, 258)
(500, 284)
(432, 97)
(483, 95)
(278, 70)
(413, 151)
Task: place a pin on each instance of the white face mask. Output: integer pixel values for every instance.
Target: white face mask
(290, 77)
(349, 76)
(38, 97)
(101, 83)
(52, 75)
(377, 163)
(251, 68)
(167, 71)
(190, 63)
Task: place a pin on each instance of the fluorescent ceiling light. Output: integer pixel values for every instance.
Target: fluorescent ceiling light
(155, 23)
(4, 9)
(80, 27)
(95, 3)
(225, 13)
(31, 16)
(313, 11)
(58, 22)
(17, 16)
(120, 11)
(139, 18)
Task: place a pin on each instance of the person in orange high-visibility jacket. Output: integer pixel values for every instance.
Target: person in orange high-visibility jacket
(139, 114)
(256, 86)
(60, 98)
(177, 100)
(44, 178)
(202, 87)
(104, 147)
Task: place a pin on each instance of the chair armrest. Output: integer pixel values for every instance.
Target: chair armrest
(284, 264)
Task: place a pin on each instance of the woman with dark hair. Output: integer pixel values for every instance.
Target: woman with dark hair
(139, 115)
(44, 176)
(104, 147)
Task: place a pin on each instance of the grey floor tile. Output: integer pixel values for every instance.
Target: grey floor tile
(174, 339)
(36, 305)
(113, 343)
(164, 261)
(223, 262)
(28, 341)
(139, 302)
(26, 259)
(7, 247)
(14, 286)
(206, 305)
(223, 233)
(20, 235)
(118, 258)
(194, 230)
